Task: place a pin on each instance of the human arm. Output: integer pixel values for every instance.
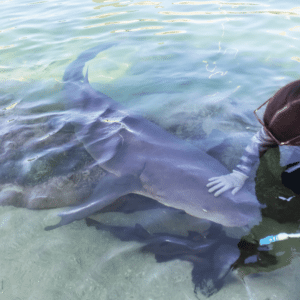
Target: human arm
(260, 143)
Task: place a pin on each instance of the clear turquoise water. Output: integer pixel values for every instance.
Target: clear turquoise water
(190, 67)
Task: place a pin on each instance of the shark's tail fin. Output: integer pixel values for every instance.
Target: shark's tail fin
(74, 70)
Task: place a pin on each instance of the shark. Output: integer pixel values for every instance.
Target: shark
(142, 158)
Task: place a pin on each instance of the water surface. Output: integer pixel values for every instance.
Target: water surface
(189, 66)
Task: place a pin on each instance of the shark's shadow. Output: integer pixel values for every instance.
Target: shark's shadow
(212, 253)
(210, 256)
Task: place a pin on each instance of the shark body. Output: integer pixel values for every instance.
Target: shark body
(142, 158)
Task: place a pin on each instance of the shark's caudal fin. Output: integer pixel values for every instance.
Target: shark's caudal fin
(74, 70)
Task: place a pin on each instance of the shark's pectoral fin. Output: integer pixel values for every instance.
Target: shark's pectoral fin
(107, 191)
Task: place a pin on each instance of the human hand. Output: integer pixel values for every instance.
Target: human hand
(234, 180)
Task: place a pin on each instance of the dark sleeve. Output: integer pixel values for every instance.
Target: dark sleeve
(260, 143)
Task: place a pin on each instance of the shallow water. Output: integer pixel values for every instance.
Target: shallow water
(190, 67)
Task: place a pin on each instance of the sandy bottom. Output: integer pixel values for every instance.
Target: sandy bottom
(79, 262)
